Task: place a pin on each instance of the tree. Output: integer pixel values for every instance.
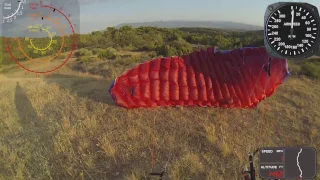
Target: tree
(223, 43)
(166, 50)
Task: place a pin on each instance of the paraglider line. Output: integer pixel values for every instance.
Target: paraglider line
(261, 127)
(153, 142)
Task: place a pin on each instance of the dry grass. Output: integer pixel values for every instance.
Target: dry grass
(67, 127)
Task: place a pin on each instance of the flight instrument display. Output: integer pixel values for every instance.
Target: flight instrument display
(292, 30)
(287, 162)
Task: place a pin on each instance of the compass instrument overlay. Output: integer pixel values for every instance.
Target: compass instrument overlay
(40, 36)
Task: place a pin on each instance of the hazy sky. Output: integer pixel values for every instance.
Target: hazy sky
(113, 12)
(98, 14)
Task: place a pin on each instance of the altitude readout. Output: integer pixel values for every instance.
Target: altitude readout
(292, 30)
(287, 162)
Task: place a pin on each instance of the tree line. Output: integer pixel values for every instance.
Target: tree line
(157, 41)
(162, 41)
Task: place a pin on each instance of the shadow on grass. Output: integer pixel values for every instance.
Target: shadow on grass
(26, 112)
(86, 87)
(34, 143)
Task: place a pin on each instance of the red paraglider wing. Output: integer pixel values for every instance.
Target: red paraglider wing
(237, 78)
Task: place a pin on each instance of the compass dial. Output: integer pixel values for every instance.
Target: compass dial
(11, 9)
(43, 40)
(292, 29)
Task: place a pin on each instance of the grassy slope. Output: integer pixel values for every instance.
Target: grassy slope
(67, 127)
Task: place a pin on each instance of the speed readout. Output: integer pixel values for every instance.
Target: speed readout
(292, 30)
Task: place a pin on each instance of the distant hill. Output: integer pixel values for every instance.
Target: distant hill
(205, 24)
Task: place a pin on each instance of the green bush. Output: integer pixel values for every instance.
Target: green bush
(97, 51)
(174, 48)
(83, 59)
(102, 55)
(166, 50)
(181, 47)
(83, 52)
(152, 54)
(118, 58)
(109, 53)
(92, 59)
(87, 59)
(311, 69)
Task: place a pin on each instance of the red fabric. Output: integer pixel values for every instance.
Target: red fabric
(237, 78)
